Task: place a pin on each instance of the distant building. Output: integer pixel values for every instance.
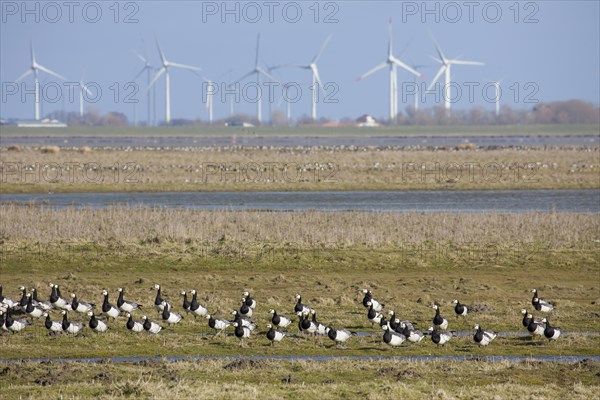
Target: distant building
(44, 123)
(242, 124)
(366, 121)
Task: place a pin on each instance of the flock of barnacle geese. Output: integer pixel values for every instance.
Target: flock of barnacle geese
(396, 330)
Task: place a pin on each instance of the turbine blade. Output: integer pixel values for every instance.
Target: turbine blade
(372, 70)
(160, 52)
(24, 75)
(321, 50)
(437, 76)
(139, 73)
(32, 52)
(257, 48)
(390, 37)
(460, 62)
(315, 71)
(437, 47)
(183, 66)
(49, 72)
(265, 73)
(161, 71)
(270, 69)
(406, 67)
(243, 77)
(140, 57)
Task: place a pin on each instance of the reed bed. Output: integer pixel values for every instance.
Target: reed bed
(304, 229)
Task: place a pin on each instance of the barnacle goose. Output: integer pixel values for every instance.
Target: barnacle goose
(245, 310)
(95, 324)
(151, 326)
(57, 300)
(412, 335)
(218, 324)
(195, 307)
(274, 335)
(551, 332)
(124, 305)
(250, 302)
(372, 315)
(539, 303)
(186, 302)
(391, 337)
(369, 298)
(170, 317)
(439, 322)
(30, 309)
(80, 306)
(54, 327)
(338, 335)
(439, 337)
(536, 326)
(320, 328)
(44, 305)
(280, 321)
(15, 325)
(299, 307)
(237, 317)
(69, 326)
(108, 309)
(5, 300)
(134, 326)
(482, 337)
(460, 309)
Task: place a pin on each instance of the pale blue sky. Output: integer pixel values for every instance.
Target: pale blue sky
(559, 53)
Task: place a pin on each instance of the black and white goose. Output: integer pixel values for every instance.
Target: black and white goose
(108, 309)
(439, 337)
(95, 324)
(15, 325)
(250, 302)
(306, 325)
(439, 322)
(460, 309)
(237, 317)
(299, 307)
(338, 335)
(373, 315)
(483, 337)
(540, 304)
(32, 310)
(151, 326)
(525, 321)
(170, 317)
(395, 322)
(536, 326)
(80, 306)
(218, 324)
(69, 326)
(391, 337)
(412, 335)
(280, 321)
(369, 299)
(196, 308)
(241, 332)
(23, 301)
(44, 305)
(124, 305)
(134, 326)
(57, 300)
(245, 310)
(274, 335)
(321, 328)
(54, 327)
(9, 303)
(158, 300)
(186, 302)
(551, 332)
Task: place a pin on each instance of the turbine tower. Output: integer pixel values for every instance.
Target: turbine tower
(392, 62)
(258, 71)
(445, 68)
(148, 68)
(164, 69)
(35, 69)
(82, 87)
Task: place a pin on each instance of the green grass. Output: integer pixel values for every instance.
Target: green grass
(311, 131)
(274, 379)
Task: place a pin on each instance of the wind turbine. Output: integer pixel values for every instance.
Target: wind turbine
(148, 68)
(35, 69)
(498, 94)
(312, 66)
(392, 62)
(258, 71)
(164, 69)
(445, 67)
(82, 87)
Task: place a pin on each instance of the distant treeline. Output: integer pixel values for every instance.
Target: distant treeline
(557, 112)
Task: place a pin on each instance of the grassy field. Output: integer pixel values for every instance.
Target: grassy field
(486, 130)
(291, 169)
(267, 379)
(410, 261)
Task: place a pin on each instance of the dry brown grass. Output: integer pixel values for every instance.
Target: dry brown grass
(307, 169)
(304, 229)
